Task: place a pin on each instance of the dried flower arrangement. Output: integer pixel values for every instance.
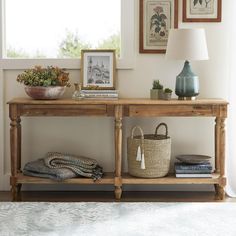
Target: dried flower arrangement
(49, 76)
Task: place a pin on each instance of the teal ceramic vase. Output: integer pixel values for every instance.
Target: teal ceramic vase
(187, 83)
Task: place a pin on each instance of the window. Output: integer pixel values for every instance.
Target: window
(53, 29)
(60, 29)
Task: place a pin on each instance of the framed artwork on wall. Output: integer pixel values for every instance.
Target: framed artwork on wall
(98, 69)
(202, 10)
(157, 17)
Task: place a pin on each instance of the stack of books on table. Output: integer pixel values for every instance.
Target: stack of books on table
(187, 170)
(100, 94)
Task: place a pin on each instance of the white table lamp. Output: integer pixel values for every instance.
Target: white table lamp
(187, 44)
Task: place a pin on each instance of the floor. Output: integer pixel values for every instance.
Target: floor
(92, 196)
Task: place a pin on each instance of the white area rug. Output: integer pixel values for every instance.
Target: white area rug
(118, 219)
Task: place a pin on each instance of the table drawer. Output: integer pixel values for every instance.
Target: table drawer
(170, 110)
(64, 110)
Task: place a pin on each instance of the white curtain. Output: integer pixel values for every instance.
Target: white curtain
(231, 120)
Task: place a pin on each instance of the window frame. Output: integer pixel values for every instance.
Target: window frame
(126, 61)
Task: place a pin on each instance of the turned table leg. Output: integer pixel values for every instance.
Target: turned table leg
(220, 191)
(118, 151)
(15, 191)
(15, 144)
(220, 157)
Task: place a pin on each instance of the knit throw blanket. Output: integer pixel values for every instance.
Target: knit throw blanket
(60, 166)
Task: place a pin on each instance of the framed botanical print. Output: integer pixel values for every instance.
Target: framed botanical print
(98, 69)
(157, 17)
(202, 10)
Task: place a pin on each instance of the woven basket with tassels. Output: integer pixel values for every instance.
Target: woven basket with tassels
(149, 155)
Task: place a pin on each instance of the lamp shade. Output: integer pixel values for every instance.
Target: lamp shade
(187, 44)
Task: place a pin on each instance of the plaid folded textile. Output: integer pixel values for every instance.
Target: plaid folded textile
(59, 166)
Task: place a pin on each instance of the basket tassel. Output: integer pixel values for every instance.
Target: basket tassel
(139, 155)
(143, 163)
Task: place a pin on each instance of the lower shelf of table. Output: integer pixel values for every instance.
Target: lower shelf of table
(109, 178)
(170, 179)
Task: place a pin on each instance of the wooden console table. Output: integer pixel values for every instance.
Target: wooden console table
(118, 109)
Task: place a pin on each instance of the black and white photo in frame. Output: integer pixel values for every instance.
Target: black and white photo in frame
(98, 69)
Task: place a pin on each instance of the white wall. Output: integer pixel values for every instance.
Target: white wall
(93, 136)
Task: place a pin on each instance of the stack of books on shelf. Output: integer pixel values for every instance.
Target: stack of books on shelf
(100, 94)
(193, 170)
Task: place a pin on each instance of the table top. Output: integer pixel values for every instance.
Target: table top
(121, 101)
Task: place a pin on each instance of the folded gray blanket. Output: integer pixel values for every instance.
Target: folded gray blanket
(60, 166)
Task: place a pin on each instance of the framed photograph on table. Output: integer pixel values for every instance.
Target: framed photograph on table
(98, 69)
(202, 10)
(157, 17)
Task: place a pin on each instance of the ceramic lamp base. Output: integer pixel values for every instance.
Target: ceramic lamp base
(187, 84)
